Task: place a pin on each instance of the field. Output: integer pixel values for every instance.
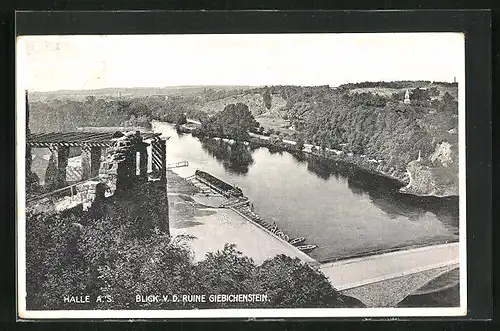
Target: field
(383, 91)
(387, 92)
(276, 123)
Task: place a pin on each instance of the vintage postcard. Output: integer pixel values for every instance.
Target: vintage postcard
(241, 175)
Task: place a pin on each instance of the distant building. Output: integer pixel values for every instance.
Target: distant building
(407, 97)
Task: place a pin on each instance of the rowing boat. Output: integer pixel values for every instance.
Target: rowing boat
(307, 248)
(297, 241)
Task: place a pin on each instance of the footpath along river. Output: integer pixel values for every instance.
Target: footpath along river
(342, 209)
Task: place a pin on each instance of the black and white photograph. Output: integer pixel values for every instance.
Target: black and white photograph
(241, 175)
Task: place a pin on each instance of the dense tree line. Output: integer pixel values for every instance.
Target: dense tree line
(211, 94)
(234, 122)
(371, 124)
(400, 84)
(67, 115)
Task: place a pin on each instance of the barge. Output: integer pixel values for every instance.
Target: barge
(218, 185)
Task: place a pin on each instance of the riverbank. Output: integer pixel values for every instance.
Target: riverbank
(208, 229)
(438, 181)
(418, 179)
(361, 161)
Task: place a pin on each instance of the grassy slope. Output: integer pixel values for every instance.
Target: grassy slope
(385, 91)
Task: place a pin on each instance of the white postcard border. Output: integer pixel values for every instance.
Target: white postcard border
(23, 313)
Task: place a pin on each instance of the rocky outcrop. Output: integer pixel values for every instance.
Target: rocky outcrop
(436, 175)
(255, 102)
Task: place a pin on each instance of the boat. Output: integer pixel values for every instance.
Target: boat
(186, 128)
(306, 248)
(219, 185)
(297, 241)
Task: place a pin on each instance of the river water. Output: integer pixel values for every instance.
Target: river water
(344, 210)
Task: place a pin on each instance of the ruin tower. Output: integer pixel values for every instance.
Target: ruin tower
(407, 100)
(146, 198)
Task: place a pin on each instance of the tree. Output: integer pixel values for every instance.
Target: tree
(291, 283)
(448, 103)
(235, 121)
(300, 143)
(228, 271)
(275, 140)
(106, 257)
(90, 99)
(267, 99)
(181, 119)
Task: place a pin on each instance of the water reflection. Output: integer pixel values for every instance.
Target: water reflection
(324, 168)
(236, 158)
(299, 157)
(384, 192)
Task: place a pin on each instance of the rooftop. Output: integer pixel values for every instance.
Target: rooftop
(77, 138)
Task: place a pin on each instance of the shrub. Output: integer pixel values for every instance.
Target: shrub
(106, 258)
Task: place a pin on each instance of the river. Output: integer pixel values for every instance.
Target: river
(344, 210)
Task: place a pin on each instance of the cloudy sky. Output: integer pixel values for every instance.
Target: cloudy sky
(47, 63)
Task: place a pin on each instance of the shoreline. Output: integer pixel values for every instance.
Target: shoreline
(388, 250)
(362, 162)
(353, 160)
(312, 261)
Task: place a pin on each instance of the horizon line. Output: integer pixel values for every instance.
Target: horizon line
(237, 85)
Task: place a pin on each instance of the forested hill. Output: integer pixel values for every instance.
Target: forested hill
(369, 120)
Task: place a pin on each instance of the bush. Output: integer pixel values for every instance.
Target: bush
(300, 143)
(106, 258)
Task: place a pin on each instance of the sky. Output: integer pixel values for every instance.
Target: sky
(49, 63)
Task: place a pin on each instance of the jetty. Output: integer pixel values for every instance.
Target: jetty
(177, 164)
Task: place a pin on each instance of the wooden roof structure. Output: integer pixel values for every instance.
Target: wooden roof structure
(78, 139)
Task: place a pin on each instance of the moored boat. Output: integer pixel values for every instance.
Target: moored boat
(220, 185)
(297, 241)
(307, 248)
